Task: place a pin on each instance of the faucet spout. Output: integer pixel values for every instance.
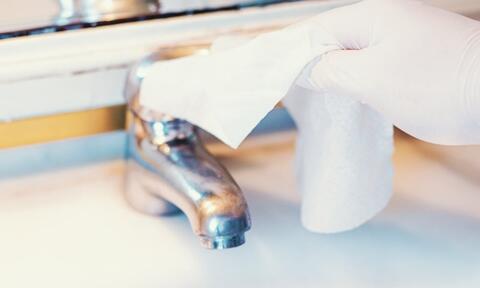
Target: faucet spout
(169, 169)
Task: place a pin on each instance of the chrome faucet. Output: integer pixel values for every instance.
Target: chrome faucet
(169, 169)
(104, 10)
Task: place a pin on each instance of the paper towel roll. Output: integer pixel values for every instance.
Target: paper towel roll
(343, 160)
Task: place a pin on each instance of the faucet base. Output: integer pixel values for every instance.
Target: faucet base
(138, 195)
(225, 242)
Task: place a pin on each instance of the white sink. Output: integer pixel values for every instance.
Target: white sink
(73, 229)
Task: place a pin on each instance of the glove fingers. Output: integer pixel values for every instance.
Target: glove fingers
(347, 72)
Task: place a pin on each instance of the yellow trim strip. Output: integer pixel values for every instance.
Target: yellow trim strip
(61, 126)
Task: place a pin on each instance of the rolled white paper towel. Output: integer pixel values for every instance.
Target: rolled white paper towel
(343, 160)
(344, 148)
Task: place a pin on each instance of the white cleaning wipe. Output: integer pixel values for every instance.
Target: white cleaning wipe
(344, 148)
(229, 92)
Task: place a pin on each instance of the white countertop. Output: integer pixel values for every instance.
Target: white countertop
(72, 228)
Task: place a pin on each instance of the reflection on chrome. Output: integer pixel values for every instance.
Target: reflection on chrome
(104, 10)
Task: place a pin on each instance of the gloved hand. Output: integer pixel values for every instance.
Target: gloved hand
(417, 65)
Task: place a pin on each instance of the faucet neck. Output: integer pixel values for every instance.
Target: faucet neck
(161, 132)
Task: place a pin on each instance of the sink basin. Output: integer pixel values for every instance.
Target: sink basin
(72, 228)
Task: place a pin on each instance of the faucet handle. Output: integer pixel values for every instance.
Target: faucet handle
(161, 132)
(159, 127)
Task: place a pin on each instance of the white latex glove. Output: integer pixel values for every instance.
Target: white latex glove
(416, 64)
